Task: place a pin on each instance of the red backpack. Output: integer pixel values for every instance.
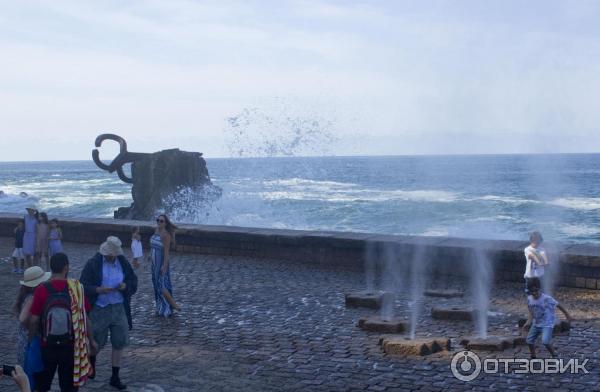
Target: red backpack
(57, 324)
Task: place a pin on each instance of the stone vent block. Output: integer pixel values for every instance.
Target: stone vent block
(377, 324)
(444, 293)
(404, 346)
(452, 313)
(365, 299)
(491, 343)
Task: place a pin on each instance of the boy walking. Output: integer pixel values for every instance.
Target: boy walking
(541, 317)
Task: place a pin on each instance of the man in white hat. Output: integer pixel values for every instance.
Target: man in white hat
(109, 283)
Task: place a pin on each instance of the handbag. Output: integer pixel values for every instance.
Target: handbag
(33, 359)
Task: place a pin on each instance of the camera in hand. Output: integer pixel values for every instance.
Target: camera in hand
(8, 370)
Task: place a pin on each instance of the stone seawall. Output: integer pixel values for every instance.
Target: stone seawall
(575, 265)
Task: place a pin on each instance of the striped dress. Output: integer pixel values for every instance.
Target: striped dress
(29, 239)
(160, 281)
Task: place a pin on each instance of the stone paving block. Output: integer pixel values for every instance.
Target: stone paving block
(365, 299)
(404, 346)
(452, 313)
(444, 293)
(490, 343)
(377, 324)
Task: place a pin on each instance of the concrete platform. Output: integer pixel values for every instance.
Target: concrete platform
(444, 293)
(490, 343)
(377, 324)
(404, 346)
(452, 313)
(365, 299)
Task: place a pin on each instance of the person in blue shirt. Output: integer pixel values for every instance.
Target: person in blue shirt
(542, 316)
(109, 283)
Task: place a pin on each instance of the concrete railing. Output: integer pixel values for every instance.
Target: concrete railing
(574, 265)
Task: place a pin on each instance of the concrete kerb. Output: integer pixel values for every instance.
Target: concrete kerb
(579, 263)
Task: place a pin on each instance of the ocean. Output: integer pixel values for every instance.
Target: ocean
(475, 196)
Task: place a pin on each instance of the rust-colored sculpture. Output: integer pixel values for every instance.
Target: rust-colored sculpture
(157, 178)
(120, 160)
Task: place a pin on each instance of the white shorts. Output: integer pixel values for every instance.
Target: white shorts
(18, 253)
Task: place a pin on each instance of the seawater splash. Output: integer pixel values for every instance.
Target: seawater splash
(191, 205)
(370, 266)
(418, 269)
(481, 282)
(279, 131)
(389, 282)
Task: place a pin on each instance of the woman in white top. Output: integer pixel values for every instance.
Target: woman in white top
(535, 259)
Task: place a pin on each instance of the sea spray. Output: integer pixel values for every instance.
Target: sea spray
(280, 129)
(481, 285)
(418, 269)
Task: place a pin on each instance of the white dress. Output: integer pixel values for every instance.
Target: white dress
(136, 249)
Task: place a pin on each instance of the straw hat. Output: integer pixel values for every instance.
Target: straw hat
(33, 276)
(111, 247)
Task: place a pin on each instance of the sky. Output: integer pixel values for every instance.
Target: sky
(244, 78)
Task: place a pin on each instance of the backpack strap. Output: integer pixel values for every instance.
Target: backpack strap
(50, 288)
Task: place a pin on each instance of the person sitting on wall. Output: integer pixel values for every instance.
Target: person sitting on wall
(109, 283)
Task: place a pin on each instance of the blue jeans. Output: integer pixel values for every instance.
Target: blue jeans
(534, 332)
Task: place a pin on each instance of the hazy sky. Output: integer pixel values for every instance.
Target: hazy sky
(389, 77)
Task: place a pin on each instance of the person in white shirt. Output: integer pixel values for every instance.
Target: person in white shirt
(535, 259)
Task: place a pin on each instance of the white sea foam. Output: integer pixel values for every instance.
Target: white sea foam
(436, 231)
(331, 191)
(573, 230)
(506, 199)
(577, 203)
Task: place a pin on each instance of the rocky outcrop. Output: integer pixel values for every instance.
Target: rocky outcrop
(159, 175)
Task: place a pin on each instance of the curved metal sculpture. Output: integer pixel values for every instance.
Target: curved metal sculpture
(121, 159)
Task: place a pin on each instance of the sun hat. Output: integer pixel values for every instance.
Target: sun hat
(33, 276)
(111, 247)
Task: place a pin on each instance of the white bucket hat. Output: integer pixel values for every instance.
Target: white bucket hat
(111, 247)
(33, 276)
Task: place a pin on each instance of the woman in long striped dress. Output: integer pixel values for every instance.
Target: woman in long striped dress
(160, 245)
(29, 238)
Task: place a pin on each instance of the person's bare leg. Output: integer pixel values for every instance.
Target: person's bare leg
(117, 356)
(29, 261)
(115, 380)
(532, 350)
(15, 264)
(551, 350)
(46, 261)
(170, 299)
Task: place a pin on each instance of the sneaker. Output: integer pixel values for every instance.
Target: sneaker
(15, 271)
(116, 383)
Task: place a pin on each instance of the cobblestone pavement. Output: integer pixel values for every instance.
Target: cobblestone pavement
(267, 325)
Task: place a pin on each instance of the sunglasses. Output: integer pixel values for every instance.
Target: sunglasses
(160, 221)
